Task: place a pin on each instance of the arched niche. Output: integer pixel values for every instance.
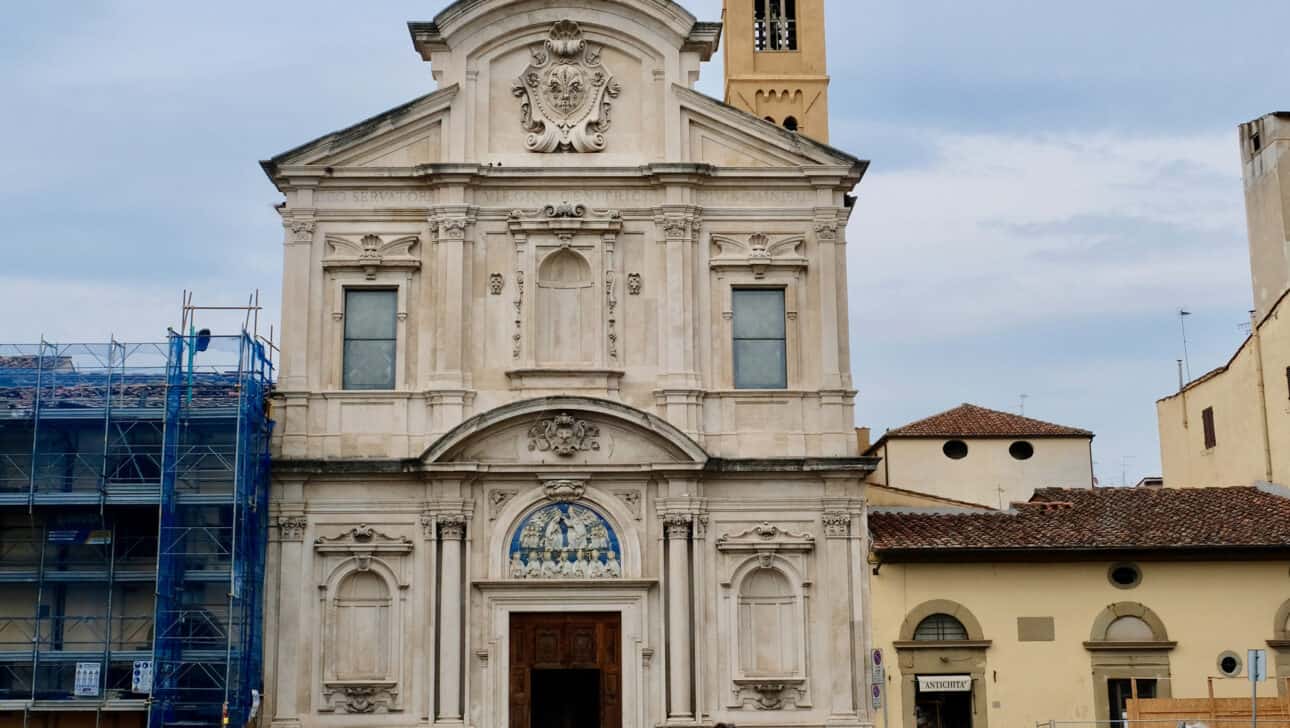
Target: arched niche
(567, 326)
(767, 609)
(361, 636)
(1128, 641)
(608, 509)
(1128, 622)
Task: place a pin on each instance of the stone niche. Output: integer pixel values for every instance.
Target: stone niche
(362, 594)
(765, 593)
(566, 324)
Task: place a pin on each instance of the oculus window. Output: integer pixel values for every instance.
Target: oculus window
(760, 351)
(370, 339)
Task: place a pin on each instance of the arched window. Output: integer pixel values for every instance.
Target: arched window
(940, 628)
(769, 628)
(790, 123)
(361, 628)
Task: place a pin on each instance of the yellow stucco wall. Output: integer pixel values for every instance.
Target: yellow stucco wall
(988, 475)
(756, 81)
(1207, 607)
(1239, 456)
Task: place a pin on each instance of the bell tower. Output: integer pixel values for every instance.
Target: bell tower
(775, 63)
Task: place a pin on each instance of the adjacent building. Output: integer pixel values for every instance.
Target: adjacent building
(133, 499)
(566, 413)
(980, 456)
(1068, 605)
(1224, 426)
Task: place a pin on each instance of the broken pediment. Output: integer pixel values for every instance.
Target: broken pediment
(758, 252)
(372, 251)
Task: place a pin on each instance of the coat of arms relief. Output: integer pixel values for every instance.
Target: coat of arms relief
(565, 94)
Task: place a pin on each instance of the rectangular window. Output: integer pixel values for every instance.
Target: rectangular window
(760, 352)
(370, 340)
(1207, 423)
(775, 25)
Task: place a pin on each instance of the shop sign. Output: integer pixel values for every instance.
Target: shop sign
(944, 683)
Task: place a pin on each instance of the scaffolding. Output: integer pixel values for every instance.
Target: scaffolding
(133, 498)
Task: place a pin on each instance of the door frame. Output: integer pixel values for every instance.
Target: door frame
(642, 677)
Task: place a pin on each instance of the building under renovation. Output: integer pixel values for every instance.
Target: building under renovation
(133, 484)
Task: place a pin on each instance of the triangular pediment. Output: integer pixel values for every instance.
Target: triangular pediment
(407, 135)
(724, 136)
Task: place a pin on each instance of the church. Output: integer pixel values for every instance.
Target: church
(565, 413)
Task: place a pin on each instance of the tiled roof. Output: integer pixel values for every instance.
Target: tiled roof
(969, 420)
(1064, 519)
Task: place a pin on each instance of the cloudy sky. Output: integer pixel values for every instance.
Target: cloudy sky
(1050, 182)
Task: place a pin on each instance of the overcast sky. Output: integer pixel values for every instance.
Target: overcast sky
(1050, 182)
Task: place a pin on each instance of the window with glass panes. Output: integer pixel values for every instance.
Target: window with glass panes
(370, 338)
(760, 351)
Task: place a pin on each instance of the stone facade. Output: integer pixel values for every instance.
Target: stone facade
(562, 227)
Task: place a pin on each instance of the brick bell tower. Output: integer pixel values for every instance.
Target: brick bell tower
(775, 63)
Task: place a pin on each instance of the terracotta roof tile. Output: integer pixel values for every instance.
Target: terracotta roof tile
(1057, 519)
(969, 420)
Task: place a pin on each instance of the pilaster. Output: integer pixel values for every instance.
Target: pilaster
(291, 524)
(452, 533)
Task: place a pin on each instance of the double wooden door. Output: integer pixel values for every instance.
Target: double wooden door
(566, 658)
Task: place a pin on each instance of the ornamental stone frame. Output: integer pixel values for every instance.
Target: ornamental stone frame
(526, 501)
(745, 553)
(1147, 659)
(919, 657)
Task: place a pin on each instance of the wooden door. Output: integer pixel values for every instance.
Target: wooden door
(575, 641)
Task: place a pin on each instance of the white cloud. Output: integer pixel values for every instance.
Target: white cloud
(989, 234)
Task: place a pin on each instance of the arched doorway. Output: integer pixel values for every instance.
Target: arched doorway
(942, 657)
(1129, 649)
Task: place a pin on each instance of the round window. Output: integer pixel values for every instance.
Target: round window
(1229, 663)
(955, 449)
(1125, 576)
(1021, 450)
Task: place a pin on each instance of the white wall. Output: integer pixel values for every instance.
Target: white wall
(989, 475)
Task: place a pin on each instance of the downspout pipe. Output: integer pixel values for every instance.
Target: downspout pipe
(1263, 397)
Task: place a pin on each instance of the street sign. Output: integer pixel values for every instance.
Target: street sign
(877, 672)
(87, 679)
(141, 677)
(1257, 665)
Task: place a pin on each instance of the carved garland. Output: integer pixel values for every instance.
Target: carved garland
(565, 94)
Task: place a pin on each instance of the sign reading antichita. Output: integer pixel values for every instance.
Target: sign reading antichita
(945, 683)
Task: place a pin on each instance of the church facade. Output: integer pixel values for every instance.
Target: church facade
(565, 414)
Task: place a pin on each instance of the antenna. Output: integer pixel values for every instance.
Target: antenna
(1124, 468)
(1182, 323)
(1024, 397)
